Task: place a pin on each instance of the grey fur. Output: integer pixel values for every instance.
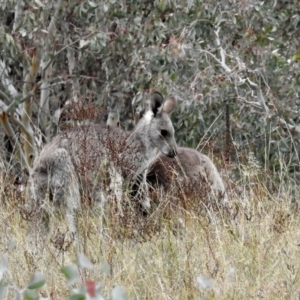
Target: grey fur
(83, 156)
(188, 165)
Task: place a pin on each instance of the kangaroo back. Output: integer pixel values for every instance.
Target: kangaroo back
(189, 166)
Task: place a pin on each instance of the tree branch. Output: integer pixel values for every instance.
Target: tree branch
(18, 15)
(223, 64)
(4, 97)
(16, 102)
(3, 110)
(12, 136)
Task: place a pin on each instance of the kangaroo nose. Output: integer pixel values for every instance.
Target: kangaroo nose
(173, 153)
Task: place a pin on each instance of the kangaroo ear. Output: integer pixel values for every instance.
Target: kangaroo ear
(157, 101)
(169, 105)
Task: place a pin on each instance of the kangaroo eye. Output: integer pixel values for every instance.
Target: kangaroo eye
(164, 133)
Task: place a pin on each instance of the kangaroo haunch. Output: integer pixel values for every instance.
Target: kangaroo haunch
(189, 166)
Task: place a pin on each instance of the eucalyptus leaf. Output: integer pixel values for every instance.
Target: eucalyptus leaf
(71, 273)
(36, 281)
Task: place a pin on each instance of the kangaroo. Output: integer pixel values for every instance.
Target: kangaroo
(189, 165)
(87, 155)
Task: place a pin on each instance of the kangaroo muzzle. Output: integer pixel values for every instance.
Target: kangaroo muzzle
(172, 153)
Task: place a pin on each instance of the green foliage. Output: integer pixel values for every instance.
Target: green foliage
(207, 53)
(31, 294)
(36, 281)
(71, 273)
(83, 262)
(87, 290)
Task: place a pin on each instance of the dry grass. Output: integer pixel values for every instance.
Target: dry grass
(256, 255)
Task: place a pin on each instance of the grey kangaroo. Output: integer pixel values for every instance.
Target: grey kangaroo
(88, 157)
(189, 164)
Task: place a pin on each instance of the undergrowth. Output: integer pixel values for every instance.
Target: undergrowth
(196, 251)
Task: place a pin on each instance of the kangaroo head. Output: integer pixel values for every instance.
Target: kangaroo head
(160, 127)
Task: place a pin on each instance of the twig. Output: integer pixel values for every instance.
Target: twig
(16, 102)
(223, 64)
(4, 97)
(211, 125)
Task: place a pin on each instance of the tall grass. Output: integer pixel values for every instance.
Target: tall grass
(251, 254)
